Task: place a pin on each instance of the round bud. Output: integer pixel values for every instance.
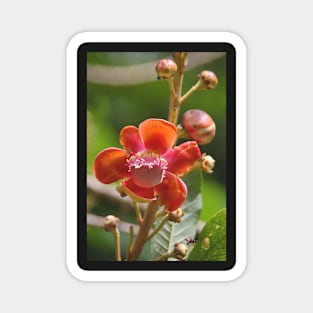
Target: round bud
(175, 216)
(208, 80)
(110, 222)
(180, 250)
(207, 163)
(199, 125)
(166, 68)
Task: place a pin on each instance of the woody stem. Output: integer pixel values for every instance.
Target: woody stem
(117, 243)
(146, 225)
(179, 58)
(190, 91)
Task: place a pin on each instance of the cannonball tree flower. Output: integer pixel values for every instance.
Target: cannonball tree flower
(149, 166)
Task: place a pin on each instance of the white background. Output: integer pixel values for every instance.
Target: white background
(33, 276)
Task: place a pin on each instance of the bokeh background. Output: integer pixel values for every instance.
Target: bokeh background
(123, 89)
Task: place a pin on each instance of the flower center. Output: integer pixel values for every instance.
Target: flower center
(147, 168)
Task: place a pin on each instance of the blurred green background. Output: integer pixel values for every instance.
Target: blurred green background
(110, 107)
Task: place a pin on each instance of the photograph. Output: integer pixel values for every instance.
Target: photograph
(155, 157)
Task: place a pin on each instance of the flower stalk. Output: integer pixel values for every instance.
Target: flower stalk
(172, 87)
(180, 60)
(190, 91)
(138, 213)
(117, 242)
(147, 223)
(160, 226)
(130, 240)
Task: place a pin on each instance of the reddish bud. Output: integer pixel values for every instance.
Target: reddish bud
(207, 163)
(180, 250)
(175, 216)
(110, 222)
(208, 80)
(166, 68)
(199, 125)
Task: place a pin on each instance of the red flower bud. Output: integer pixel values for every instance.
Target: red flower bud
(199, 125)
(208, 80)
(180, 250)
(166, 68)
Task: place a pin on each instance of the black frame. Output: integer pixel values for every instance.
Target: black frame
(230, 151)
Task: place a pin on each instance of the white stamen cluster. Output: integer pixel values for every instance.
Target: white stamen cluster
(148, 159)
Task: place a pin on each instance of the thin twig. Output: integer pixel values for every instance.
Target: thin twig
(190, 91)
(138, 213)
(117, 242)
(160, 226)
(180, 59)
(165, 256)
(171, 86)
(161, 212)
(130, 240)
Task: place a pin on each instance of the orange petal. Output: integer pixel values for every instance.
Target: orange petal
(130, 139)
(158, 135)
(137, 193)
(110, 165)
(183, 157)
(172, 192)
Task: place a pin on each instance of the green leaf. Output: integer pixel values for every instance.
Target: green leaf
(213, 197)
(171, 233)
(211, 244)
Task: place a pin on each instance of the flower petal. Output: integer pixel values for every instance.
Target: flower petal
(182, 158)
(110, 165)
(158, 135)
(172, 192)
(137, 193)
(130, 139)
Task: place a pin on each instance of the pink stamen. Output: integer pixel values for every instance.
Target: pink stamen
(148, 169)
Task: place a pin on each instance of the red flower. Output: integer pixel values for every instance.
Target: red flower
(149, 166)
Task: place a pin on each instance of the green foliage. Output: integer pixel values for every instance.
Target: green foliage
(163, 242)
(211, 244)
(100, 245)
(213, 196)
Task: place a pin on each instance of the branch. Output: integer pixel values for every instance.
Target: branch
(141, 73)
(108, 193)
(96, 220)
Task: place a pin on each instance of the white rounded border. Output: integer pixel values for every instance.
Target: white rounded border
(241, 157)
